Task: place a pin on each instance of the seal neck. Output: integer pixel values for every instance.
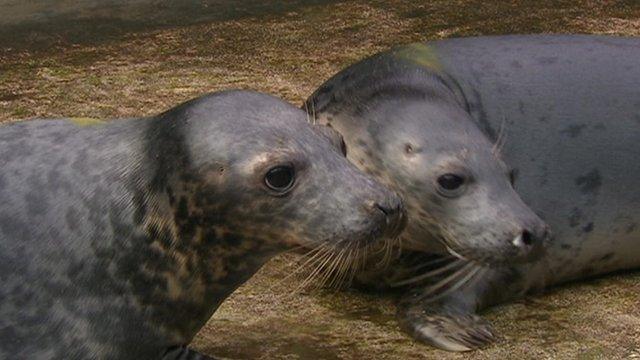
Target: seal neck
(194, 261)
(191, 257)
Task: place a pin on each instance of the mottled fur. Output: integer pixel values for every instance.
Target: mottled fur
(118, 240)
(559, 115)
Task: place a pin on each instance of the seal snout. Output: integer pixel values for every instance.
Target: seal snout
(394, 213)
(529, 243)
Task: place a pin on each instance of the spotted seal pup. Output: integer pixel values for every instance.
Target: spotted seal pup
(119, 240)
(454, 124)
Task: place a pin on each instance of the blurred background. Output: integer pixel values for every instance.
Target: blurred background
(123, 58)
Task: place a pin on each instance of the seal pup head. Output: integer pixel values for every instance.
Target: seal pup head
(405, 125)
(230, 180)
(457, 188)
(247, 169)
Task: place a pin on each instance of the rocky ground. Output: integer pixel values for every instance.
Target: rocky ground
(105, 69)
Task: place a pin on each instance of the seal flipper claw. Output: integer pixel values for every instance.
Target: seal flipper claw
(444, 326)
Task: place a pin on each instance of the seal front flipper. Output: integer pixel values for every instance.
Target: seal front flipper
(445, 324)
(184, 353)
(447, 319)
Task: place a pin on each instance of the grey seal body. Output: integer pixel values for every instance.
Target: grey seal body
(560, 113)
(118, 240)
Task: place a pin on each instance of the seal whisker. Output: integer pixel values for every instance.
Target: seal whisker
(447, 239)
(497, 146)
(294, 249)
(475, 272)
(383, 252)
(326, 269)
(338, 268)
(298, 288)
(386, 254)
(344, 269)
(448, 280)
(360, 262)
(353, 265)
(456, 253)
(365, 256)
(317, 265)
(310, 256)
(396, 248)
(437, 271)
(437, 260)
(347, 262)
(306, 110)
(328, 276)
(388, 246)
(335, 267)
(321, 262)
(313, 111)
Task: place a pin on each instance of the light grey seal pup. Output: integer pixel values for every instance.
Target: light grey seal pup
(452, 124)
(119, 240)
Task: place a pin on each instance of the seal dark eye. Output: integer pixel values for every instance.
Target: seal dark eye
(450, 181)
(450, 184)
(280, 178)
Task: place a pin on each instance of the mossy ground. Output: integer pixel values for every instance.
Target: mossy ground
(101, 71)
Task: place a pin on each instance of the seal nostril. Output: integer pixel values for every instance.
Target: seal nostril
(395, 217)
(387, 211)
(527, 238)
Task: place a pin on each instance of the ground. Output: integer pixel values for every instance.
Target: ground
(121, 69)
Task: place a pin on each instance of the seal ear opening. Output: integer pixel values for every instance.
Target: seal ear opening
(334, 137)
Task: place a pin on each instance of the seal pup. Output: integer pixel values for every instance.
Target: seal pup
(119, 240)
(452, 125)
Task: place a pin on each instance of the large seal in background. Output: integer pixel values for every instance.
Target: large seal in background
(453, 124)
(119, 240)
